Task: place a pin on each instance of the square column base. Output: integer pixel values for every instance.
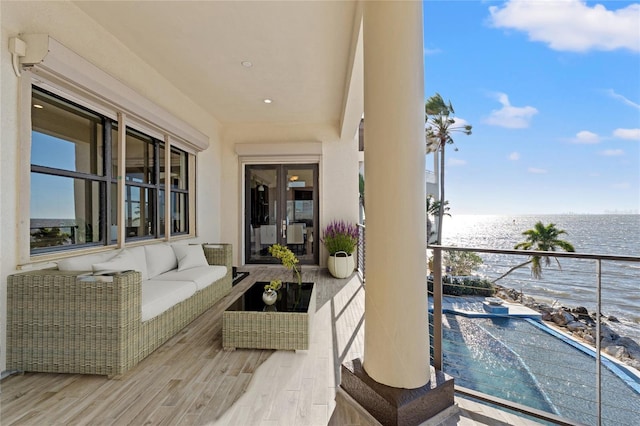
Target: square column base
(397, 406)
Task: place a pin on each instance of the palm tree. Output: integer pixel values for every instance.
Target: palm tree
(540, 238)
(440, 126)
(433, 209)
(361, 188)
(433, 206)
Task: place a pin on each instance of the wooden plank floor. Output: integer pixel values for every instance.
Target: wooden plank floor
(190, 380)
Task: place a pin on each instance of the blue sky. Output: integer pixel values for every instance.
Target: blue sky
(552, 90)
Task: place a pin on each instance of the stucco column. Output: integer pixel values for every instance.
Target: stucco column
(396, 346)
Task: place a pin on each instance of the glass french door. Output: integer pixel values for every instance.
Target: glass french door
(281, 207)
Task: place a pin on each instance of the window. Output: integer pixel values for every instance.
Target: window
(179, 192)
(67, 174)
(141, 189)
(74, 179)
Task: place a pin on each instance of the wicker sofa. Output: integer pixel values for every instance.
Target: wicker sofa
(94, 322)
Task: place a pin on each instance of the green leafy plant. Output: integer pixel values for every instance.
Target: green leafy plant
(461, 262)
(49, 237)
(273, 285)
(464, 286)
(340, 236)
(287, 258)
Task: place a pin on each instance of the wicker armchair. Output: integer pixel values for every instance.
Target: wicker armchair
(67, 322)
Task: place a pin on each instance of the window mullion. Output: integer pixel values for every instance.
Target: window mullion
(66, 173)
(156, 188)
(122, 150)
(106, 164)
(168, 219)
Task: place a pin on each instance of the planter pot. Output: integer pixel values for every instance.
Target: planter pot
(341, 264)
(269, 297)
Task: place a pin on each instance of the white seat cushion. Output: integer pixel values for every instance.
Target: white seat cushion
(159, 296)
(202, 276)
(160, 258)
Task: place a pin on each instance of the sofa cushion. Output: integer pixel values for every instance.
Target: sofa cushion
(202, 276)
(138, 254)
(128, 259)
(85, 262)
(159, 296)
(189, 256)
(160, 258)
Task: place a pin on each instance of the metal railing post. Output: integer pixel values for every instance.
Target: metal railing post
(437, 308)
(598, 343)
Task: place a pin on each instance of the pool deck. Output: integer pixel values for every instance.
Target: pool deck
(474, 306)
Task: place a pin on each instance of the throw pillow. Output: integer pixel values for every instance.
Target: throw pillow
(122, 262)
(189, 256)
(160, 259)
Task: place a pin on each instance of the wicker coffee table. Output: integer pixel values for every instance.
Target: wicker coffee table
(249, 323)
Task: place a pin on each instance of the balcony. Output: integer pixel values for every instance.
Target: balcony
(192, 380)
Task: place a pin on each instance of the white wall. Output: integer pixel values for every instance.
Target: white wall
(339, 176)
(68, 25)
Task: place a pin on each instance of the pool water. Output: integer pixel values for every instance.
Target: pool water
(516, 360)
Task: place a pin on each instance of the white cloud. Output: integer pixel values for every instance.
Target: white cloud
(612, 152)
(459, 122)
(514, 156)
(431, 51)
(623, 99)
(621, 185)
(633, 134)
(571, 25)
(510, 116)
(456, 162)
(586, 137)
(537, 171)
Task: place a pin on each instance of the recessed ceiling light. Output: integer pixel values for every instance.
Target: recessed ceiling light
(37, 106)
(246, 64)
(267, 101)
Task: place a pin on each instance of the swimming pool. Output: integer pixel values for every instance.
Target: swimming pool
(517, 360)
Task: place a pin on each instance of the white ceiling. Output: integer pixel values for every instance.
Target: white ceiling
(300, 50)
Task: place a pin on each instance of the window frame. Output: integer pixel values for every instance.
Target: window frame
(111, 117)
(177, 190)
(102, 180)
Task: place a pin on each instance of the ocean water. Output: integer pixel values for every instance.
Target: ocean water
(573, 283)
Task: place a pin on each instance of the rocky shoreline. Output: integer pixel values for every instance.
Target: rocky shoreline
(581, 324)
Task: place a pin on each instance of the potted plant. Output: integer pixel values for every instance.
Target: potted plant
(287, 258)
(270, 294)
(340, 239)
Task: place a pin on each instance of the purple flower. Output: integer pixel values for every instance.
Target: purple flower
(340, 236)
